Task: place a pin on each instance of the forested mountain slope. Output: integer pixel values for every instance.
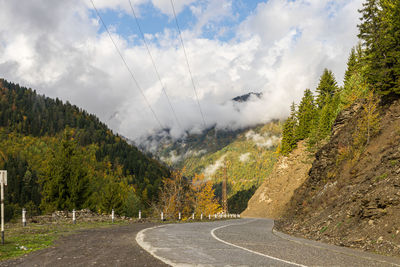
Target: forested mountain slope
(45, 140)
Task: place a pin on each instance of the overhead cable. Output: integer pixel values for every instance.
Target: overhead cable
(187, 63)
(126, 65)
(154, 65)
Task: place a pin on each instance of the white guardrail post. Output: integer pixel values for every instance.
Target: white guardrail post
(23, 217)
(73, 216)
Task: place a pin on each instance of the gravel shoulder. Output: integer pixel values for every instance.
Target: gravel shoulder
(113, 246)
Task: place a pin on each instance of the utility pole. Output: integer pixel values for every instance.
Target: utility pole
(224, 190)
(3, 181)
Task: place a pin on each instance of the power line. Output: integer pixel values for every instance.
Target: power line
(154, 65)
(187, 63)
(126, 65)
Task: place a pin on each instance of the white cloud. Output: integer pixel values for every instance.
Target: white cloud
(259, 140)
(244, 157)
(280, 49)
(210, 170)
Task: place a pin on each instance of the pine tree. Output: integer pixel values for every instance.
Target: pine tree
(380, 32)
(289, 141)
(65, 186)
(351, 66)
(306, 114)
(327, 87)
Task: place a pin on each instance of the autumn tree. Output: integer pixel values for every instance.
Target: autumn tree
(205, 201)
(176, 196)
(368, 124)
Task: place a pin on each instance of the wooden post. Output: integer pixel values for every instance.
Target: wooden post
(3, 181)
(192, 216)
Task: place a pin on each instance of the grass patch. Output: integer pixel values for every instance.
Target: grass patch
(394, 163)
(323, 229)
(22, 240)
(381, 177)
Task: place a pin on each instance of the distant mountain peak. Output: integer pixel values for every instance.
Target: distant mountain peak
(244, 98)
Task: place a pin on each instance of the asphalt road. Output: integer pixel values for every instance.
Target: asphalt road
(246, 242)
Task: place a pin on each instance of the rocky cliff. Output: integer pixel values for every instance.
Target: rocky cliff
(289, 173)
(352, 201)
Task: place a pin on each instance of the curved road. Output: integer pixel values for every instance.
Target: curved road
(246, 242)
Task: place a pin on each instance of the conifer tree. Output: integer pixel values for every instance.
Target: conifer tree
(327, 87)
(306, 114)
(65, 186)
(289, 141)
(351, 66)
(380, 32)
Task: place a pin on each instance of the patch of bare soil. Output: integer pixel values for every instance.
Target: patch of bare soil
(352, 203)
(114, 246)
(289, 173)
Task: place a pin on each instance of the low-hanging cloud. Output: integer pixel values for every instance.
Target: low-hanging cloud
(280, 49)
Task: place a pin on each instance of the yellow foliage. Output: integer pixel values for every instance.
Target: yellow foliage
(204, 196)
(368, 124)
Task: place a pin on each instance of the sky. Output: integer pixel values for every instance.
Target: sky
(277, 47)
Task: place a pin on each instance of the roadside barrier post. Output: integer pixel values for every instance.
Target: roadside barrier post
(140, 214)
(192, 216)
(179, 216)
(112, 215)
(215, 216)
(201, 216)
(162, 216)
(3, 181)
(23, 217)
(73, 216)
(209, 216)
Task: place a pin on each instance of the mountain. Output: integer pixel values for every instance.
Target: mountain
(246, 97)
(38, 134)
(249, 154)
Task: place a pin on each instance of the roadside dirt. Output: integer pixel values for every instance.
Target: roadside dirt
(289, 173)
(115, 246)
